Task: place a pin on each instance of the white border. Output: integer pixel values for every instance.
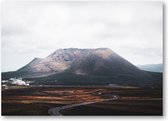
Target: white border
(107, 118)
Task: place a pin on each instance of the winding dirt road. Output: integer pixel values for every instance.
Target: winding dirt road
(55, 111)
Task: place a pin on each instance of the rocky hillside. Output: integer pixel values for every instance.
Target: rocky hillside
(84, 66)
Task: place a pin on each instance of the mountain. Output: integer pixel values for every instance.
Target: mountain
(152, 67)
(56, 62)
(74, 66)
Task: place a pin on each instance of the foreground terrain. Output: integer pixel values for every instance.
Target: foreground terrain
(19, 100)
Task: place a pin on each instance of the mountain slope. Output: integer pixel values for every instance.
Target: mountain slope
(84, 66)
(103, 62)
(56, 62)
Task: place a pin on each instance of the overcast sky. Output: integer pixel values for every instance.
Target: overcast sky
(36, 29)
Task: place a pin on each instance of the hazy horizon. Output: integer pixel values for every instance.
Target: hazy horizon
(134, 30)
(92, 48)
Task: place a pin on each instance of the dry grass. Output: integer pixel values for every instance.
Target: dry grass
(37, 100)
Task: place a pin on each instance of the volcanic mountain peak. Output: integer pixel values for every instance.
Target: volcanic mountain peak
(70, 54)
(100, 61)
(105, 53)
(63, 59)
(85, 66)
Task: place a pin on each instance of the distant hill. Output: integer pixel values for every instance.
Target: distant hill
(152, 67)
(74, 66)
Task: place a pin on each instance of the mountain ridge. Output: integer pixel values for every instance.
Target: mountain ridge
(152, 67)
(84, 66)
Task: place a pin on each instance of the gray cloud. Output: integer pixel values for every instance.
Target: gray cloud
(35, 29)
(13, 30)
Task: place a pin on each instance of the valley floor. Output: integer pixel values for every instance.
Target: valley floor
(95, 101)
